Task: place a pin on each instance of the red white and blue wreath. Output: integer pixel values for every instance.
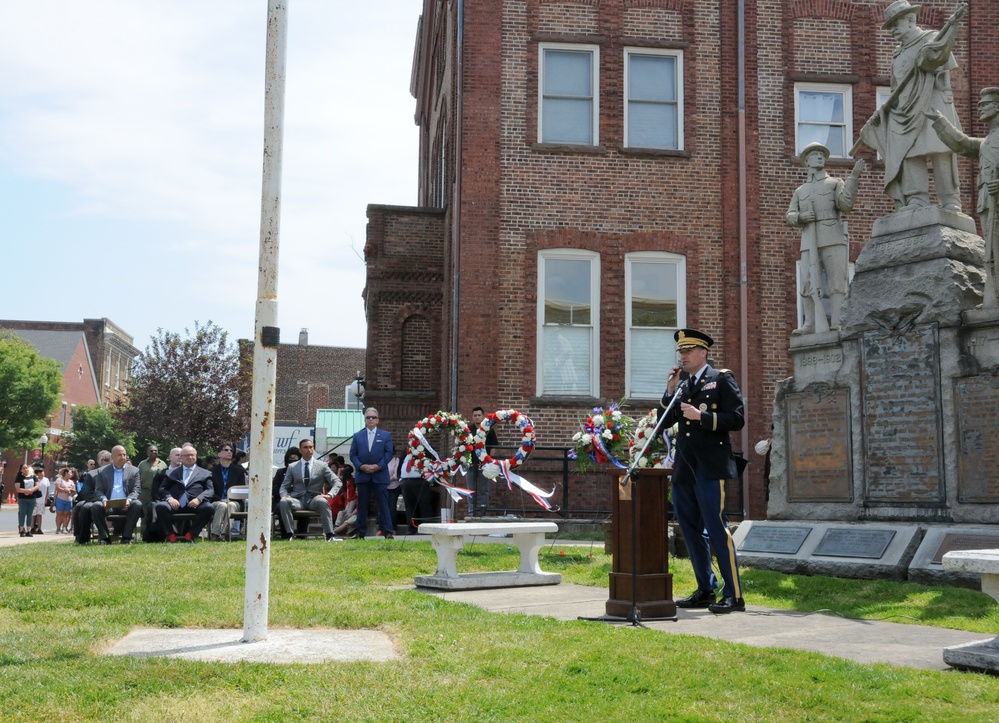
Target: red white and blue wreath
(429, 463)
(492, 468)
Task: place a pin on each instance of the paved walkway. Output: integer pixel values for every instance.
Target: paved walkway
(863, 641)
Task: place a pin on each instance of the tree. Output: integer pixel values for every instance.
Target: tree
(185, 389)
(94, 429)
(30, 385)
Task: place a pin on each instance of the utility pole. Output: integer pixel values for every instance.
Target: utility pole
(267, 336)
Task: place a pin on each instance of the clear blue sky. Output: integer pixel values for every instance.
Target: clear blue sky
(131, 138)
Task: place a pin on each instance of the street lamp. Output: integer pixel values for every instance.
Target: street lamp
(42, 441)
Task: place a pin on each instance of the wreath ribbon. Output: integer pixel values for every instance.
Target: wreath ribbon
(455, 492)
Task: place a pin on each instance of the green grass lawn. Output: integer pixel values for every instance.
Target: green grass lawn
(60, 605)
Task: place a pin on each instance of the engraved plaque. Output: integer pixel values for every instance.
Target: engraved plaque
(952, 542)
(818, 445)
(977, 402)
(854, 542)
(901, 401)
(768, 538)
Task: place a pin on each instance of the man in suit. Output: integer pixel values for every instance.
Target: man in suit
(118, 480)
(305, 487)
(81, 526)
(708, 407)
(225, 474)
(370, 452)
(187, 488)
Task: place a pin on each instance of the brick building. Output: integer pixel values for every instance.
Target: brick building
(596, 173)
(308, 378)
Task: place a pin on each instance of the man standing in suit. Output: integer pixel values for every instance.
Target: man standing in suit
(370, 452)
(116, 481)
(187, 488)
(708, 408)
(304, 488)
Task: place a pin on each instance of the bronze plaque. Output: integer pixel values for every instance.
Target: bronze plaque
(977, 409)
(771, 538)
(902, 428)
(854, 542)
(818, 445)
(953, 542)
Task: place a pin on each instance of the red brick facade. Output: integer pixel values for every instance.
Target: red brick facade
(504, 197)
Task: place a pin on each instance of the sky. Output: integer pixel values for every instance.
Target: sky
(131, 142)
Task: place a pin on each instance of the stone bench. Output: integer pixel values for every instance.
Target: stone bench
(449, 538)
(982, 655)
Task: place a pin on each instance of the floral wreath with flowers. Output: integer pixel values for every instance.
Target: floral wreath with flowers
(429, 464)
(490, 467)
(659, 454)
(605, 437)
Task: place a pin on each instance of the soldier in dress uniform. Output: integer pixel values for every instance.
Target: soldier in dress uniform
(816, 209)
(986, 150)
(708, 408)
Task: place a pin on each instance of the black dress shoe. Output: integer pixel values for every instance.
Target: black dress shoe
(104, 542)
(728, 605)
(700, 599)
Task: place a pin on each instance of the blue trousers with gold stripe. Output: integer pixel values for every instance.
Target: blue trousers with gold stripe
(699, 509)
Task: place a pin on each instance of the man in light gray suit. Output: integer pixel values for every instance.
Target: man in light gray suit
(116, 481)
(305, 486)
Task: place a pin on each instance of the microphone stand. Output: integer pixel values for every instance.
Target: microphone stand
(631, 475)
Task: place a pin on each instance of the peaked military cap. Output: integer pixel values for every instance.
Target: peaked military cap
(692, 338)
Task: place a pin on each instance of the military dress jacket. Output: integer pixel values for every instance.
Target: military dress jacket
(705, 443)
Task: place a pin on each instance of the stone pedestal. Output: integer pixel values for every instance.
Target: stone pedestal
(895, 416)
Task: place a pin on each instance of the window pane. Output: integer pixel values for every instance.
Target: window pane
(566, 360)
(652, 354)
(652, 77)
(567, 73)
(567, 121)
(820, 107)
(652, 126)
(567, 291)
(653, 294)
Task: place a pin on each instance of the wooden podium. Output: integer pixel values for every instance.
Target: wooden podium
(647, 497)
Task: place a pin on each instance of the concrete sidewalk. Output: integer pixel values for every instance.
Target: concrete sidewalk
(863, 641)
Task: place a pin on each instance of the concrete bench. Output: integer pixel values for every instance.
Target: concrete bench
(449, 538)
(982, 655)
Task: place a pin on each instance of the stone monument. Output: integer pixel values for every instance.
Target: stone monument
(891, 421)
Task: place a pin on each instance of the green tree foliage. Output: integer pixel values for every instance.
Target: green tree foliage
(30, 385)
(94, 429)
(185, 389)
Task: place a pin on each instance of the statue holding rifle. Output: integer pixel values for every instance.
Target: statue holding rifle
(986, 150)
(899, 130)
(816, 209)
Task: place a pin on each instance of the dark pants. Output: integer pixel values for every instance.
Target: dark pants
(385, 522)
(164, 518)
(96, 513)
(699, 507)
(422, 502)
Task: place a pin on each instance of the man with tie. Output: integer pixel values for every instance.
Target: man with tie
(370, 452)
(708, 408)
(305, 485)
(225, 474)
(116, 481)
(187, 488)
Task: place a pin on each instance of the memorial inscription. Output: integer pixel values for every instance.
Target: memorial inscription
(818, 446)
(853, 542)
(901, 415)
(952, 542)
(978, 427)
(768, 538)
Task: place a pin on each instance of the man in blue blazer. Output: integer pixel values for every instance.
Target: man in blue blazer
(370, 452)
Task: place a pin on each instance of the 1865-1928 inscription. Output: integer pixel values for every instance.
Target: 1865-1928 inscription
(902, 416)
(818, 443)
(978, 428)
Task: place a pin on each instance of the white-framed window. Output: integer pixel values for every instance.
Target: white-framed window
(653, 102)
(823, 113)
(568, 323)
(568, 107)
(655, 293)
(882, 93)
(107, 371)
